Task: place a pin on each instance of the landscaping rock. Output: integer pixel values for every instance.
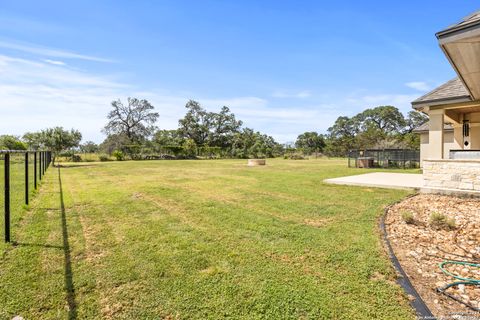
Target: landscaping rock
(420, 247)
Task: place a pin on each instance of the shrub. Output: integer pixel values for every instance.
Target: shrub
(295, 156)
(76, 158)
(90, 157)
(103, 157)
(441, 221)
(65, 154)
(407, 216)
(190, 149)
(119, 156)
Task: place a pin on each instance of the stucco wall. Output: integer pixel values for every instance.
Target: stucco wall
(449, 143)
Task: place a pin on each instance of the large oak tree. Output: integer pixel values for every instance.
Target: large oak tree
(135, 120)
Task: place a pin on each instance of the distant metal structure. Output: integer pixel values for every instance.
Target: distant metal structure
(384, 158)
(41, 162)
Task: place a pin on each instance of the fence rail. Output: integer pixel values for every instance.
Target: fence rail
(385, 158)
(32, 165)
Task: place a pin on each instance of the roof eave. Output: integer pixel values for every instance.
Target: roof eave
(426, 131)
(457, 71)
(458, 29)
(457, 34)
(440, 102)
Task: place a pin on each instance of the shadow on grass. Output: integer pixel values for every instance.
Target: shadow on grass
(66, 166)
(69, 288)
(24, 244)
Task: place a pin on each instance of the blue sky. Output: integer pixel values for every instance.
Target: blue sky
(284, 67)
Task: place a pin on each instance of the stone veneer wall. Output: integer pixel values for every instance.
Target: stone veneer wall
(462, 175)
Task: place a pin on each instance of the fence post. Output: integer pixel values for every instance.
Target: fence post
(35, 169)
(7, 196)
(26, 178)
(40, 165)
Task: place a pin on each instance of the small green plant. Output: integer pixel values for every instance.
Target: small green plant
(119, 156)
(441, 221)
(407, 216)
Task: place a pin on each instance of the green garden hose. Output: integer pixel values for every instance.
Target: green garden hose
(462, 263)
(462, 280)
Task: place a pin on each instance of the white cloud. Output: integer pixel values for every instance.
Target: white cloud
(55, 62)
(418, 85)
(49, 52)
(298, 95)
(36, 95)
(401, 101)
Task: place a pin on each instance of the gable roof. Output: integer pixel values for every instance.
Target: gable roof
(450, 92)
(469, 21)
(461, 45)
(424, 127)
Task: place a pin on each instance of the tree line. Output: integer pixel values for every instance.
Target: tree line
(55, 139)
(131, 132)
(376, 128)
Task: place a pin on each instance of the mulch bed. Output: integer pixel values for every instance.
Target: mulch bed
(421, 245)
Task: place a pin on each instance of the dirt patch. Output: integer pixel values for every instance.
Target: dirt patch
(421, 245)
(317, 223)
(299, 262)
(93, 254)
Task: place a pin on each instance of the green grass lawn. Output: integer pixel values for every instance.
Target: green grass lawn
(200, 240)
(17, 186)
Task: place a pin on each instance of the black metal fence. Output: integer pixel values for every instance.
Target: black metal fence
(384, 158)
(21, 175)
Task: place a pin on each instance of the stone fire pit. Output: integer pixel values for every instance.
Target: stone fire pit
(256, 162)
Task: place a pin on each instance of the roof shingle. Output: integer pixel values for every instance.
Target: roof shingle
(453, 89)
(471, 19)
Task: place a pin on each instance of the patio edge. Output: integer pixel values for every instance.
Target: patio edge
(368, 185)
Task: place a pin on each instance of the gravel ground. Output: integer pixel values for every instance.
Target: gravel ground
(421, 245)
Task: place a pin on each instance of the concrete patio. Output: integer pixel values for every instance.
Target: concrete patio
(382, 180)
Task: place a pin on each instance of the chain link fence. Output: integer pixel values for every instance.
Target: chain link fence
(384, 158)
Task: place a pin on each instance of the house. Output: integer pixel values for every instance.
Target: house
(449, 142)
(450, 148)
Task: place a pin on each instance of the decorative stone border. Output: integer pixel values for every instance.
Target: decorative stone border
(416, 302)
